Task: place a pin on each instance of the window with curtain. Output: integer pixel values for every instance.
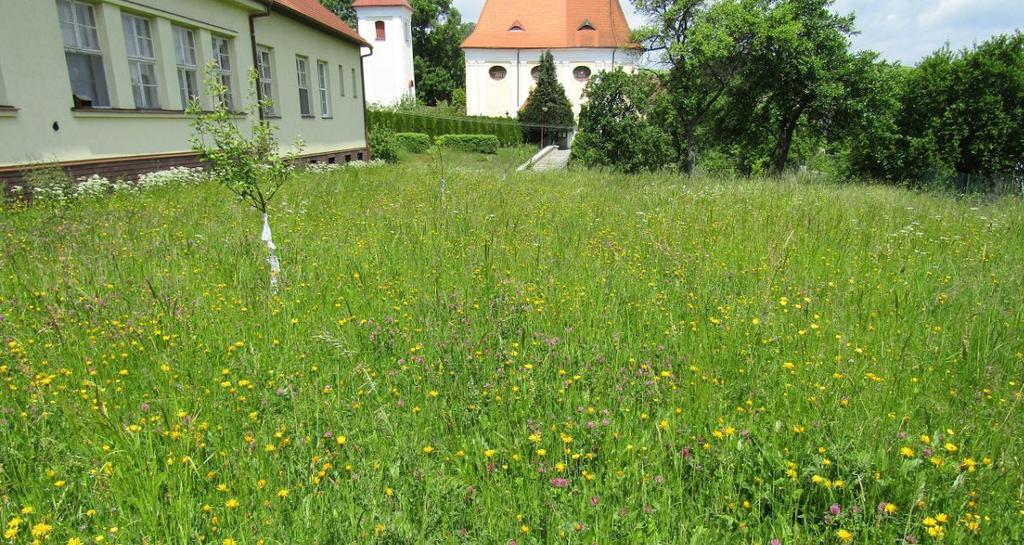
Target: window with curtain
(188, 65)
(265, 70)
(302, 72)
(222, 67)
(138, 39)
(325, 88)
(82, 54)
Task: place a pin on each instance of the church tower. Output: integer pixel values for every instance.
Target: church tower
(388, 72)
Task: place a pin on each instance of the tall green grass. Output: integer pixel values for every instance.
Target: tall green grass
(570, 357)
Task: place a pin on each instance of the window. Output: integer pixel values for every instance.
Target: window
(141, 61)
(325, 89)
(222, 66)
(535, 73)
(355, 85)
(82, 53)
(265, 70)
(517, 27)
(585, 25)
(381, 34)
(188, 67)
(305, 108)
(341, 79)
(406, 30)
(498, 73)
(581, 73)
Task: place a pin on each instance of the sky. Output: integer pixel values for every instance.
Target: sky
(901, 30)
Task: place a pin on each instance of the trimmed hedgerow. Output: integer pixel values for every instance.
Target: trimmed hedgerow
(414, 142)
(508, 131)
(477, 143)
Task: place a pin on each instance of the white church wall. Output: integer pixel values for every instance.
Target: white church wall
(389, 71)
(487, 96)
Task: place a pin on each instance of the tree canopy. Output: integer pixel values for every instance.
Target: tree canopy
(769, 85)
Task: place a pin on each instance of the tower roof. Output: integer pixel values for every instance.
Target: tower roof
(381, 4)
(555, 24)
(313, 13)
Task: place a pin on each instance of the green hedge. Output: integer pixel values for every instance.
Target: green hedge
(477, 143)
(414, 142)
(508, 131)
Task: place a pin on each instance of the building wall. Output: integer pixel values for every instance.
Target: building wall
(389, 70)
(342, 126)
(487, 96)
(44, 126)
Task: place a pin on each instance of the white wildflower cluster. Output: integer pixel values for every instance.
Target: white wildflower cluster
(171, 176)
(62, 189)
(327, 168)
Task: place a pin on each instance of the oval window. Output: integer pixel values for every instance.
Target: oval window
(535, 72)
(498, 73)
(581, 73)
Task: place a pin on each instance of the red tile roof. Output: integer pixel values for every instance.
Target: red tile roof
(313, 13)
(550, 24)
(380, 3)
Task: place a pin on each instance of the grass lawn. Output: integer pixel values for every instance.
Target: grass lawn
(504, 162)
(569, 357)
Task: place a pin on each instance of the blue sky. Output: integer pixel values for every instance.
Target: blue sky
(901, 30)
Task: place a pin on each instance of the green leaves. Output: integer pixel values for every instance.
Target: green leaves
(619, 123)
(248, 165)
(547, 103)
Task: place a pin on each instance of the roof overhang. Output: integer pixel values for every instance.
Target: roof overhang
(287, 11)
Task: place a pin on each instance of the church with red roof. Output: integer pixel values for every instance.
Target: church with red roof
(503, 52)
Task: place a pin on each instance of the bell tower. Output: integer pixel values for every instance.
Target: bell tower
(388, 72)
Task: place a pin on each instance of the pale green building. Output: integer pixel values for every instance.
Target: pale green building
(100, 86)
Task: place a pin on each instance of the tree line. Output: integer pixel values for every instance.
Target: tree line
(756, 86)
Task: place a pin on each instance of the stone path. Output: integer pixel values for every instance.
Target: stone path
(555, 160)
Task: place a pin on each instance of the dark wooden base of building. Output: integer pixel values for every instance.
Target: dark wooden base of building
(130, 168)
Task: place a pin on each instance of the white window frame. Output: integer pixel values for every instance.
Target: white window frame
(302, 75)
(187, 60)
(324, 81)
(138, 38)
(81, 40)
(222, 66)
(265, 69)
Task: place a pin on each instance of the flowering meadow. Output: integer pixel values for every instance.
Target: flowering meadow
(578, 358)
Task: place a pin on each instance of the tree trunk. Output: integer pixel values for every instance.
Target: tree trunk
(691, 148)
(781, 152)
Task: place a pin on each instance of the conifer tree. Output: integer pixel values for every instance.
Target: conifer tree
(547, 104)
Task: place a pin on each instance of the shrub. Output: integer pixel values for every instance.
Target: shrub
(413, 142)
(459, 100)
(618, 124)
(476, 143)
(384, 145)
(434, 122)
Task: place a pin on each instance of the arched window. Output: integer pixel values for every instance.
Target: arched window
(581, 73)
(535, 72)
(381, 34)
(517, 27)
(497, 73)
(586, 25)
